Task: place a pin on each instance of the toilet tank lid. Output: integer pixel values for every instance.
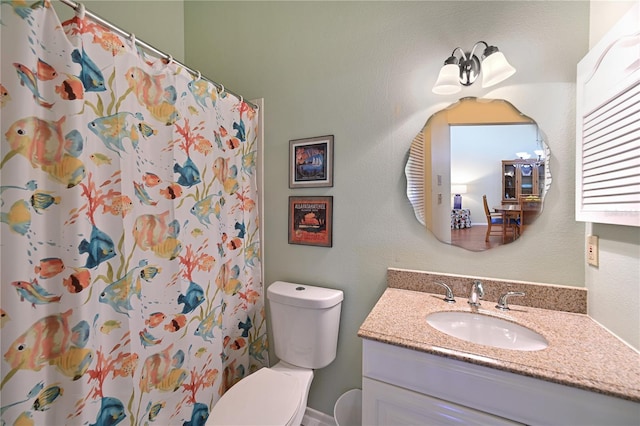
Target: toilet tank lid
(303, 295)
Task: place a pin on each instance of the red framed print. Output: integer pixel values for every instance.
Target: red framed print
(311, 221)
(311, 162)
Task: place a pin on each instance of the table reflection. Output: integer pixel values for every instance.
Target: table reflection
(523, 213)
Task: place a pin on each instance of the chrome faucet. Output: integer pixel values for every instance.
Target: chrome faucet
(502, 302)
(449, 295)
(477, 293)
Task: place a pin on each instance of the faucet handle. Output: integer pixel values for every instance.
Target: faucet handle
(449, 295)
(502, 301)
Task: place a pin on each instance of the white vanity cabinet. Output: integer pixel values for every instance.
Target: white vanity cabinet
(385, 404)
(407, 387)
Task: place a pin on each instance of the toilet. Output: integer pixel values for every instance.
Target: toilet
(305, 321)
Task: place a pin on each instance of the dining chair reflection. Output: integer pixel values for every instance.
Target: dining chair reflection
(499, 223)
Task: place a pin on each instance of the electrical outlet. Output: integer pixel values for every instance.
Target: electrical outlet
(592, 250)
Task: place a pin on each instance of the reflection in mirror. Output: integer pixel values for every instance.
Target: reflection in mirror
(477, 174)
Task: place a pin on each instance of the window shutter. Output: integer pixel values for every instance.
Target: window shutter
(608, 127)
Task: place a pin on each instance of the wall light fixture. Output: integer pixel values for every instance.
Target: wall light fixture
(466, 68)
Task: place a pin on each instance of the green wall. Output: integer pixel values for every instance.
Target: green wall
(363, 72)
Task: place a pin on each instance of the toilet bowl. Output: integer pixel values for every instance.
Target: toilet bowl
(305, 321)
(278, 396)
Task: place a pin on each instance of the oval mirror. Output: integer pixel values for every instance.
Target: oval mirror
(477, 173)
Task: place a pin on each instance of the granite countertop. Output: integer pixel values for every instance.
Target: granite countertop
(581, 353)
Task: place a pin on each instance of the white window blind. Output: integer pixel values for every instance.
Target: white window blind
(608, 127)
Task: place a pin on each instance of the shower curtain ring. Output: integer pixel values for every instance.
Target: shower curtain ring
(132, 37)
(80, 10)
(199, 76)
(241, 99)
(169, 59)
(221, 91)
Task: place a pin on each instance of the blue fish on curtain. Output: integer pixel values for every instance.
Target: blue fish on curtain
(129, 231)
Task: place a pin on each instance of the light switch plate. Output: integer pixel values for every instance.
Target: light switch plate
(592, 250)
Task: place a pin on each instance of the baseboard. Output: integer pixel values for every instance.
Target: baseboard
(317, 418)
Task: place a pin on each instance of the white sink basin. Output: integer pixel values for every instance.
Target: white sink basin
(486, 330)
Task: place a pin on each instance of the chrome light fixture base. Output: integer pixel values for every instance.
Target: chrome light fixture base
(469, 70)
(465, 69)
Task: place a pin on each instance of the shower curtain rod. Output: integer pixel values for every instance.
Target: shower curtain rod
(76, 6)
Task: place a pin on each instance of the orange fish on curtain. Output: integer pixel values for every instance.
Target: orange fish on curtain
(152, 232)
(71, 88)
(78, 280)
(49, 267)
(47, 341)
(159, 368)
(150, 92)
(42, 144)
(45, 71)
(4, 96)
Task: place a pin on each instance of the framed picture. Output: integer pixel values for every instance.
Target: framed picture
(311, 221)
(311, 162)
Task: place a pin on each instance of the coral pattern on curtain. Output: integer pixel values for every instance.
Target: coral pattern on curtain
(131, 285)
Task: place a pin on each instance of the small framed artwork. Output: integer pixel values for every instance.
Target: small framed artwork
(311, 162)
(311, 221)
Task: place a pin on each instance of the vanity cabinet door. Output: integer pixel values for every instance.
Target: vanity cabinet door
(385, 404)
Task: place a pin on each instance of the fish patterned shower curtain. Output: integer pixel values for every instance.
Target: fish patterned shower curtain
(131, 273)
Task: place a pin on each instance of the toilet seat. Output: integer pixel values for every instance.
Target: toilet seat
(275, 399)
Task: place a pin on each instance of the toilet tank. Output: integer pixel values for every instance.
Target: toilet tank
(305, 321)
